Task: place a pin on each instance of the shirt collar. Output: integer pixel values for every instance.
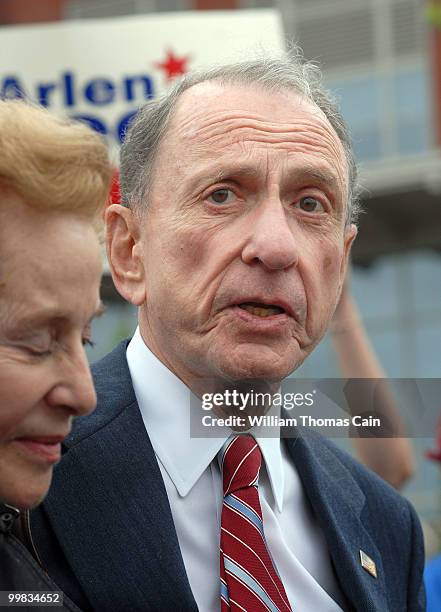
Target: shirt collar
(164, 402)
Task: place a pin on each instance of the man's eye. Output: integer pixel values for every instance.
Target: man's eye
(221, 196)
(310, 205)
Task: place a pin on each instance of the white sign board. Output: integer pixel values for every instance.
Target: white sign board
(102, 70)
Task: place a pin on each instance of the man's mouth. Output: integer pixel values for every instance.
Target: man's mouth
(261, 310)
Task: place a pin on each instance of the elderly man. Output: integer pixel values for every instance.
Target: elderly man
(233, 242)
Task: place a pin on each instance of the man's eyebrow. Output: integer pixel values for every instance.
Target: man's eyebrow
(320, 175)
(216, 174)
(316, 175)
(237, 171)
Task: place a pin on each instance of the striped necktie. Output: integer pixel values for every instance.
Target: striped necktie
(249, 579)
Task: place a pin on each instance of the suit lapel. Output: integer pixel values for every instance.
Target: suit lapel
(338, 501)
(109, 509)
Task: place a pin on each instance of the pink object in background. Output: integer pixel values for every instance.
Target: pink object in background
(435, 453)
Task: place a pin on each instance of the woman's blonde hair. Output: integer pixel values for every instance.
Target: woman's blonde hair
(52, 163)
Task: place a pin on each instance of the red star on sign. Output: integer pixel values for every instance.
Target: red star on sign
(173, 66)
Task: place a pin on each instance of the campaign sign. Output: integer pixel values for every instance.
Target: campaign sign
(101, 71)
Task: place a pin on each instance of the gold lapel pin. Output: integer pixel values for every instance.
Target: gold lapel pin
(368, 564)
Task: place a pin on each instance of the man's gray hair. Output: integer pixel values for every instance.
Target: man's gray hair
(141, 143)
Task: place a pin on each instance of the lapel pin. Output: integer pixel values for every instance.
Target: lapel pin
(368, 564)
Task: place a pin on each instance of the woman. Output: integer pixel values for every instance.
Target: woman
(54, 180)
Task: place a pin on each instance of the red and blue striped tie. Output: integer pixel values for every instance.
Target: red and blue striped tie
(249, 579)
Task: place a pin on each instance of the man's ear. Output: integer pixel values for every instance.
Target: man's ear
(124, 252)
(350, 233)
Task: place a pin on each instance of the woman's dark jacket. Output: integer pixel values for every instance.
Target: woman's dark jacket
(19, 571)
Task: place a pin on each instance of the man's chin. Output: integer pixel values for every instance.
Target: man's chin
(255, 369)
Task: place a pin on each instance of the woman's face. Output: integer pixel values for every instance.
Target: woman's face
(50, 271)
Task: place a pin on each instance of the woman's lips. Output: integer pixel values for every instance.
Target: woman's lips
(46, 450)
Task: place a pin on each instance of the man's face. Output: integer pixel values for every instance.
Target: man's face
(244, 240)
(50, 273)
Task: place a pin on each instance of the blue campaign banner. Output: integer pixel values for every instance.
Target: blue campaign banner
(101, 71)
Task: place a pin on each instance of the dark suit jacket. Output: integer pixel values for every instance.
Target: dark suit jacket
(106, 535)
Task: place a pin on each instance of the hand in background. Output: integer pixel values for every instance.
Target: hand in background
(391, 458)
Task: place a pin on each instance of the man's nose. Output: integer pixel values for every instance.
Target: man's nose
(271, 241)
(74, 389)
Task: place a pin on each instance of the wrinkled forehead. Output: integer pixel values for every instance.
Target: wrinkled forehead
(204, 103)
(212, 113)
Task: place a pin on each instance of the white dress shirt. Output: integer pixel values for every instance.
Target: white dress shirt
(193, 483)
